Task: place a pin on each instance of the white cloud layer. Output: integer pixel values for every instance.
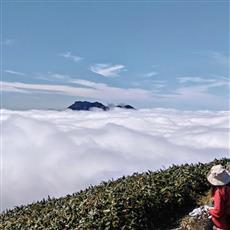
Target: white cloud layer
(107, 70)
(55, 153)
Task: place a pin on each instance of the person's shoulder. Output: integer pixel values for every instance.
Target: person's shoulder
(227, 187)
(221, 190)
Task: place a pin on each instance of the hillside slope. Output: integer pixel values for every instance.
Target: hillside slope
(151, 200)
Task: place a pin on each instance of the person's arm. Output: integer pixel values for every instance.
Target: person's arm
(218, 210)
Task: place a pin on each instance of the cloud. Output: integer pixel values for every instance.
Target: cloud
(151, 74)
(220, 58)
(71, 150)
(85, 89)
(195, 80)
(12, 89)
(70, 56)
(107, 70)
(200, 88)
(205, 84)
(58, 76)
(218, 80)
(14, 72)
(53, 77)
(156, 84)
(197, 95)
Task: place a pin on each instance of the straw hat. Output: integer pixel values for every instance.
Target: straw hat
(218, 176)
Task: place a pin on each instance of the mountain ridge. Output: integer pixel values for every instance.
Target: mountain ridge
(87, 106)
(150, 200)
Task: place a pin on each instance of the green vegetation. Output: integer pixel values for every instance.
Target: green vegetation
(151, 200)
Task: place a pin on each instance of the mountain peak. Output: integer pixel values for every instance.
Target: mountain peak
(87, 106)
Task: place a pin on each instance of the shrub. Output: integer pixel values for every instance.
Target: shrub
(150, 200)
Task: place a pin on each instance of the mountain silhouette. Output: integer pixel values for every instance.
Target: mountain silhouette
(86, 106)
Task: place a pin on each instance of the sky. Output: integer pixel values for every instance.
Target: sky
(169, 59)
(71, 150)
(169, 54)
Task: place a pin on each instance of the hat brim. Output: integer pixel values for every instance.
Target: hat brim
(223, 181)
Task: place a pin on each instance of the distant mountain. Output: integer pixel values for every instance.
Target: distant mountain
(86, 106)
(125, 106)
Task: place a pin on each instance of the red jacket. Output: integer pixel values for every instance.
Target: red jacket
(221, 210)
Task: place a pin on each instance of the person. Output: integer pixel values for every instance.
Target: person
(219, 178)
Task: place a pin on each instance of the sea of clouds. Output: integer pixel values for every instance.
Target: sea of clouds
(60, 152)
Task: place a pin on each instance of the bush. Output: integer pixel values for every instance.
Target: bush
(151, 200)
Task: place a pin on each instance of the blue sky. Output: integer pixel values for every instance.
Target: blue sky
(149, 53)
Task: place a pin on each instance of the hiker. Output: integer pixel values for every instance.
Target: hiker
(219, 178)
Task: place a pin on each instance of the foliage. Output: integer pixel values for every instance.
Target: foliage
(150, 200)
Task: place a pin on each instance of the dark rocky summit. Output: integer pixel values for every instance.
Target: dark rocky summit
(125, 106)
(86, 106)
